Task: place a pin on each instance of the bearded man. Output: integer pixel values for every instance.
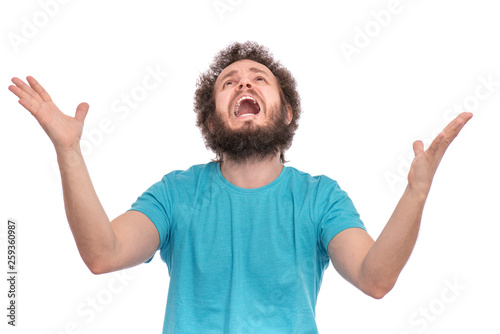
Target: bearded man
(246, 239)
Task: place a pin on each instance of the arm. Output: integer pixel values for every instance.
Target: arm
(374, 267)
(104, 246)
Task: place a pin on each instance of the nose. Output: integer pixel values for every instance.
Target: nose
(244, 82)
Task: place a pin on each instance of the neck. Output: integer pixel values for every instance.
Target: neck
(251, 174)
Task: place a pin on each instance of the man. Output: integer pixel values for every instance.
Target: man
(245, 238)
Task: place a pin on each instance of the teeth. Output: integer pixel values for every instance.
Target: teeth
(246, 98)
(239, 102)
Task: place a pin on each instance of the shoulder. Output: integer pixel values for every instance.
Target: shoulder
(189, 181)
(319, 182)
(182, 179)
(192, 174)
(323, 191)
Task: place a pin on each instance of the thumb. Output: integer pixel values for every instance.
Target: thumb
(81, 111)
(418, 147)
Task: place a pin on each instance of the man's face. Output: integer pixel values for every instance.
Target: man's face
(250, 121)
(247, 95)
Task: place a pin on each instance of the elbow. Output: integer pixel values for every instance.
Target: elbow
(378, 294)
(96, 270)
(97, 267)
(378, 291)
(98, 261)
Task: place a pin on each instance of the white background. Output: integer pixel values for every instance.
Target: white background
(360, 118)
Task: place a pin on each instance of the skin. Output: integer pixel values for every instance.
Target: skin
(374, 267)
(247, 77)
(104, 245)
(130, 239)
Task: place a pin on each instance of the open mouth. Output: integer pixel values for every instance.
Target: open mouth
(246, 106)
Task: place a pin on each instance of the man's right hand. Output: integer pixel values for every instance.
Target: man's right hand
(105, 246)
(64, 131)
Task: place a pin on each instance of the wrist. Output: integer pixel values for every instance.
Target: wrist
(69, 157)
(418, 194)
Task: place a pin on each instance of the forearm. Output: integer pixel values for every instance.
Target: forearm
(389, 254)
(88, 221)
(104, 246)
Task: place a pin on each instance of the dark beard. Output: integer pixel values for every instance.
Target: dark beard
(250, 142)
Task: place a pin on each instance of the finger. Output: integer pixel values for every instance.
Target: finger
(418, 147)
(17, 89)
(449, 133)
(28, 104)
(436, 143)
(27, 91)
(39, 89)
(453, 129)
(18, 92)
(81, 111)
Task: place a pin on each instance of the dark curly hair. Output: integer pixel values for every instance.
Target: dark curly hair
(204, 99)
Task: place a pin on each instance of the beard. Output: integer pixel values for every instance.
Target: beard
(250, 143)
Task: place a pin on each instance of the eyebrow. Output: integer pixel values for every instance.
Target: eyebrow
(256, 70)
(252, 69)
(228, 74)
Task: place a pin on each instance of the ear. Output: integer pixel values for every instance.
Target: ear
(210, 124)
(289, 114)
(210, 127)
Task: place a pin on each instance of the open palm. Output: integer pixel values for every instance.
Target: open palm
(64, 131)
(426, 162)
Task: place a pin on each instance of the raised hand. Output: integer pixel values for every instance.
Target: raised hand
(426, 162)
(64, 131)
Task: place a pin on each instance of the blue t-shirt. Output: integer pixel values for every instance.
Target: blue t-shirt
(245, 260)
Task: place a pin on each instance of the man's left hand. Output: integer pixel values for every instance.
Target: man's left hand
(426, 162)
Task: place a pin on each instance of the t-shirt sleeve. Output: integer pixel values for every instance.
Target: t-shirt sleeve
(338, 214)
(156, 204)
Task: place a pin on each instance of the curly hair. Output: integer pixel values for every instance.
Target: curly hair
(204, 99)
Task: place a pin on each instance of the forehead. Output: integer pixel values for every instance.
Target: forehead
(243, 66)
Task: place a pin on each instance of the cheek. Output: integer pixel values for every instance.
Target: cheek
(220, 109)
(273, 96)
(221, 102)
(222, 95)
